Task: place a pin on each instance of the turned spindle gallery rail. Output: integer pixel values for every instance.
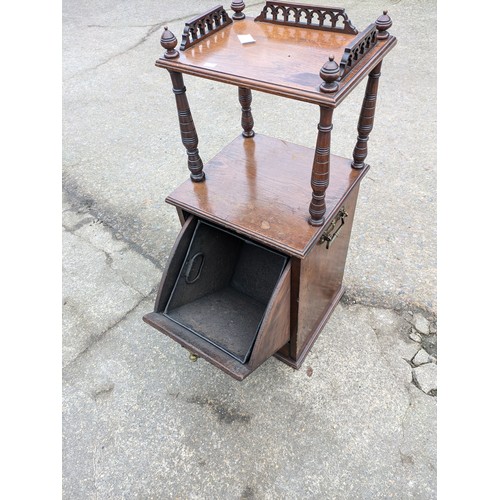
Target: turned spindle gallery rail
(258, 265)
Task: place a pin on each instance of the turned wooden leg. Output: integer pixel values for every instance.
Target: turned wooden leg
(188, 131)
(245, 97)
(366, 117)
(321, 168)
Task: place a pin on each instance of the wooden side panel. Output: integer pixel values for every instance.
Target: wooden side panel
(321, 277)
(175, 262)
(275, 329)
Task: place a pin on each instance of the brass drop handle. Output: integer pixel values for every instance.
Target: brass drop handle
(333, 231)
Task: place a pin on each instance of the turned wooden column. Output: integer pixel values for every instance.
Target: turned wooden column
(367, 114)
(366, 118)
(245, 97)
(321, 168)
(188, 130)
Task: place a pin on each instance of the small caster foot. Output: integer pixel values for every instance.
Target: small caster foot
(193, 357)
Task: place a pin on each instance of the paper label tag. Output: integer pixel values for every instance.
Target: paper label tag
(210, 65)
(246, 38)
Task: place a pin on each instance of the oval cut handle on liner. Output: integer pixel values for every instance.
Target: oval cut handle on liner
(199, 257)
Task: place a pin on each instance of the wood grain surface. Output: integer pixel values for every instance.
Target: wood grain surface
(259, 187)
(283, 60)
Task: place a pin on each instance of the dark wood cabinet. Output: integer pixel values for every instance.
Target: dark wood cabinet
(258, 265)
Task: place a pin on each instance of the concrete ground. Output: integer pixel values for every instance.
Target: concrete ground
(142, 421)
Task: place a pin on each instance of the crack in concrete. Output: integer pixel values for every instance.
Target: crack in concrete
(110, 264)
(97, 397)
(349, 300)
(405, 459)
(80, 204)
(151, 30)
(383, 356)
(94, 468)
(78, 225)
(414, 381)
(109, 258)
(403, 425)
(97, 338)
(103, 391)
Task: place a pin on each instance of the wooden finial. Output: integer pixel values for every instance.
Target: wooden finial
(168, 42)
(330, 73)
(238, 10)
(383, 23)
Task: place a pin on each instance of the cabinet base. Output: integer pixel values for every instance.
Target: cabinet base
(297, 363)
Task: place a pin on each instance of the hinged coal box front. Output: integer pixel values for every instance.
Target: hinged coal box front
(227, 291)
(223, 289)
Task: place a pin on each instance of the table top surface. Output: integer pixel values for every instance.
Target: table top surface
(256, 187)
(283, 60)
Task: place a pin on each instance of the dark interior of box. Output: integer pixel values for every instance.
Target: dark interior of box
(223, 289)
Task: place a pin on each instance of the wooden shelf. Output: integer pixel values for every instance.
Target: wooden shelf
(255, 186)
(284, 60)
